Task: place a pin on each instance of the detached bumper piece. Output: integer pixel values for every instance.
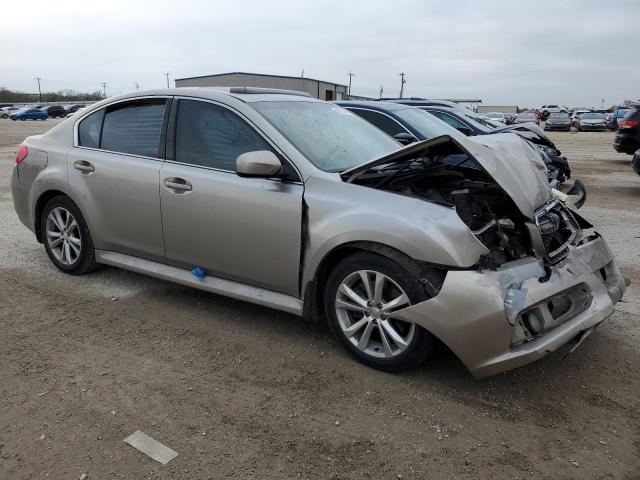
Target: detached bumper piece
(495, 321)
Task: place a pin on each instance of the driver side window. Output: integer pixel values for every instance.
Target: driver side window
(212, 136)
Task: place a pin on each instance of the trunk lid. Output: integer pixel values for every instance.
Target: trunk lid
(514, 165)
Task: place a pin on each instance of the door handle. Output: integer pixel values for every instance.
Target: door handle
(83, 166)
(179, 184)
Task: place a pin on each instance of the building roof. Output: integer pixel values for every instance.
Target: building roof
(260, 75)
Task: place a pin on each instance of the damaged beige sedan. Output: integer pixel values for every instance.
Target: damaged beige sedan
(278, 199)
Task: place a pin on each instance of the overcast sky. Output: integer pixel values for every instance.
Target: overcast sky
(526, 52)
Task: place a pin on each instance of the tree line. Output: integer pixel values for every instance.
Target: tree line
(12, 96)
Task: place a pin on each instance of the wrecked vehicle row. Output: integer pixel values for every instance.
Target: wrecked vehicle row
(285, 201)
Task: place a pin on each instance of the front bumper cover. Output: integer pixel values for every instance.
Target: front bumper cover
(476, 313)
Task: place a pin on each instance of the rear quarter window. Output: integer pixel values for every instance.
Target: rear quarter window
(89, 130)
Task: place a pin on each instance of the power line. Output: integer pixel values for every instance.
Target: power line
(167, 75)
(39, 90)
(350, 76)
(402, 82)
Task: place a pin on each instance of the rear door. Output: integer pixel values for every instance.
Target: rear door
(243, 229)
(114, 173)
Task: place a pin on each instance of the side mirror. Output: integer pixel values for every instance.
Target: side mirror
(261, 163)
(466, 130)
(404, 138)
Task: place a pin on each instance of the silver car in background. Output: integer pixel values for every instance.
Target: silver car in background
(286, 201)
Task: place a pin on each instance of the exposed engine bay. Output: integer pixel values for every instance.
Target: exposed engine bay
(448, 176)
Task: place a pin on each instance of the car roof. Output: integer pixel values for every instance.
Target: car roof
(381, 106)
(245, 94)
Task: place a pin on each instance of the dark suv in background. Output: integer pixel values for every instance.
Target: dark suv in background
(628, 136)
(55, 111)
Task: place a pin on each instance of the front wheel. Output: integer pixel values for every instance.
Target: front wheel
(362, 298)
(66, 237)
(23, 118)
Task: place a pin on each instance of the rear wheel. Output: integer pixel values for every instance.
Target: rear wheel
(362, 298)
(66, 237)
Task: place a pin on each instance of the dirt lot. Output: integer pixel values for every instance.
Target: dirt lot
(246, 392)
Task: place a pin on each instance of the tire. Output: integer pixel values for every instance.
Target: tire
(23, 118)
(416, 343)
(69, 258)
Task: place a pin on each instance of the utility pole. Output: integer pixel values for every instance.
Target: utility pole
(137, 86)
(104, 89)
(381, 92)
(302, 74)
(402, 82)
(39, 90)
(167, 75)
(350, 76)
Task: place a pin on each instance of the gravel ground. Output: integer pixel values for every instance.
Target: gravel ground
(247, 392)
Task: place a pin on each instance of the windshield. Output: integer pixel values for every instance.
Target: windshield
(332, 138)
(622, 113)
(587, 116)
(559, 116)
(426, 124)
(526, 116)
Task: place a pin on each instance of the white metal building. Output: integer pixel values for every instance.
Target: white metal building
(316, 88)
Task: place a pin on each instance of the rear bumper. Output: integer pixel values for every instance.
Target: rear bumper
(20, 196)
(477, 314)
(626, 143)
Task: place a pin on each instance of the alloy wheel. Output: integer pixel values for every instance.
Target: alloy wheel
(63, 236)
(366, 303)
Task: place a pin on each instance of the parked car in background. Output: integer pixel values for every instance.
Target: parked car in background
(612, 121)
(575, 117)
(498, 117)
(592, 121)
(546, 110)
(558, 121)
(320, 214)
(6, 111)
(636, 162)
(407, 126)
(73, 108)
(28, 114)
(76, 111)
(423, 102)
(55, 111)
(527, 117)
(628, 137)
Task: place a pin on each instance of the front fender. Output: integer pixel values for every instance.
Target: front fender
(339, 213)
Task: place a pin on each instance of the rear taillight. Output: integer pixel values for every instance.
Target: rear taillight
(22, 154)
(628, 123)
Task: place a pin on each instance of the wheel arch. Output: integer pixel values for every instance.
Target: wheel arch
(41, 202)
(314, 289)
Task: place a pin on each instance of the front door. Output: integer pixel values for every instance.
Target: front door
(242, 229)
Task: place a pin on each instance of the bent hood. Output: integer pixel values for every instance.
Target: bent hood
(513, 163)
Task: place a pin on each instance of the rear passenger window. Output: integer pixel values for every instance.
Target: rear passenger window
(89, 130)
(380, 120)
(212, 136)
(454, 122)
(134, 127)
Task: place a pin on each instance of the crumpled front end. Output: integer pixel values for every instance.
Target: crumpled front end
(498, 320)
